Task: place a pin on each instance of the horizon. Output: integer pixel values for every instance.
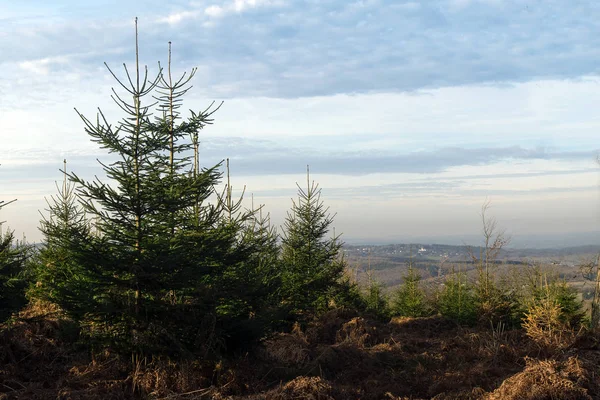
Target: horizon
(410, 115)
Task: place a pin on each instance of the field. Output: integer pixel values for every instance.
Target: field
(388, 263)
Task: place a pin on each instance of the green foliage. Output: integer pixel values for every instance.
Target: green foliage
(553, 314)
(572, 309)
(457, 301)
(13, 256)
(497, 302)
(375, 300)
(350, 296)
(163, 270)
(503, 306)
(544, 289)
(249, 294)
(409, 300)
(312, 269)
(57, 276)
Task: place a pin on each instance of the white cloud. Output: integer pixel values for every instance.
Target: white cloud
(176, 18)
(43, 66)
(214, 11)
(238, 6)
(465, 3)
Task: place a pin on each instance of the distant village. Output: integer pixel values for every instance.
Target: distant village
(403, 252)
(408, 250)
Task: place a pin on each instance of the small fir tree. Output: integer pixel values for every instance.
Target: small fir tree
(13, 256)
(456, 300)
(312, 267)
(409, 300)
(545, 288)
(375, 300)
(58, 276)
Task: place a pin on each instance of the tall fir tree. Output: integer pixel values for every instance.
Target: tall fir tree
(163, 265)
(312, 266)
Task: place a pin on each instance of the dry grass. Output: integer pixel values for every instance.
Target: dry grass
(548, 379)
(357, 332)
(304, 388)
(288, 349)
(338, 356)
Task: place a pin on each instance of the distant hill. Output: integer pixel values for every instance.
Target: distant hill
(518, 241)
(405, 251)
(388, 263)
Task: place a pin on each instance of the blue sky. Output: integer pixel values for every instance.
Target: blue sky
(410, 114)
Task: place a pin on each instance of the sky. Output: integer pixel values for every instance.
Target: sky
(410, 114)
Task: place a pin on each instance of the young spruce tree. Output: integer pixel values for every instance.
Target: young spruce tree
(13, 256)
(312, 271)
(59, 279)
(409, 299)
(162, 271)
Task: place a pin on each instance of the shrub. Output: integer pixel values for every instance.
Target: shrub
(13, 256)
(375, 300)
(500, 305)
(544, 324)
(553, 315)
(409, 300)
(544, 287)
(497, 304)
(457, 301)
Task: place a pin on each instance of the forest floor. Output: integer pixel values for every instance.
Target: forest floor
(340, 356)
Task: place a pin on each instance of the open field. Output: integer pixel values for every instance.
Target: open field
(388, 263)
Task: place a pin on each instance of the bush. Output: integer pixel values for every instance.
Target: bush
(457, 301)
(544, 324)
(500, 305)
(376, 301)
(13, 256)
(553, 315)
(543, 287)
(409, 300)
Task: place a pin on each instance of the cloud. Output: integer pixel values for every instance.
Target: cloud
(268, 158)
(43, 66)
(458, 4)
(310, 48)
(238, 6)
(177, 17)
(431, 189)
(215, 11)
